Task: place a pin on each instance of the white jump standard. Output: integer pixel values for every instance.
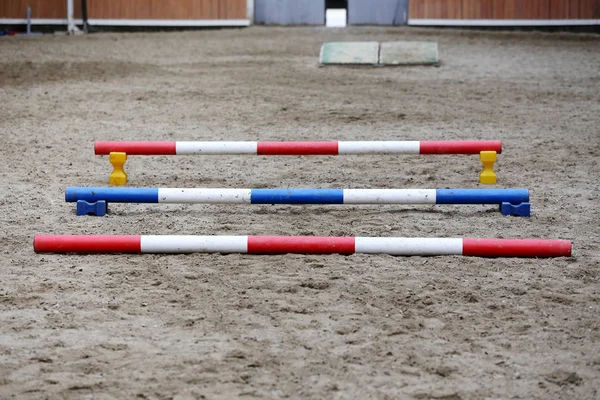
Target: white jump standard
(94, 200)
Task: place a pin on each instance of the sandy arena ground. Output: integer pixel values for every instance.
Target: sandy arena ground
(299, 326)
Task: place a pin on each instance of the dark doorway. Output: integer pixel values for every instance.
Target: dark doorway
(336, 4)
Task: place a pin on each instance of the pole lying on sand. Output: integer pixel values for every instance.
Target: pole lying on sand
(118, 151)
(94, 200)
(301, 245)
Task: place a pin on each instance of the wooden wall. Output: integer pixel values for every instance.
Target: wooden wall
(236, 9)
(39, 8)
(128, 9)
(504, 9)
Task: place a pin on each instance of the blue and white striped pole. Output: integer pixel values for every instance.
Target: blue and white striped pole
(513, 198)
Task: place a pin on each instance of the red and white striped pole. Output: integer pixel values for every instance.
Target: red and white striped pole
(118, 151)
(332, 148)
(301, 245)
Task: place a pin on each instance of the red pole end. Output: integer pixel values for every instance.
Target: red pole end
(87, 244)
(460, 146)
(136, 148)
(516, 248)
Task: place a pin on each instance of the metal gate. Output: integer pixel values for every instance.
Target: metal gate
(377, 12)
(289, 12)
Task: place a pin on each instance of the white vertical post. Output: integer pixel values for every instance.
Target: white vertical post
(250, 11)
(71, 28)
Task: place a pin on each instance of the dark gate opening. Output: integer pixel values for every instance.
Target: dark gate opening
(336, 4)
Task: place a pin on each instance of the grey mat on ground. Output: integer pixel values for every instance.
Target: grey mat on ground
(408, 53)
(350, 53)
(373, 53)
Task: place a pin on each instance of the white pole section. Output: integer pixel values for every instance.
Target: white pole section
(70, 23)
(71, 27)
(250, 11)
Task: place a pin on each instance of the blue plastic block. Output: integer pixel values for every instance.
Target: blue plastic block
(97, 208)
(518, 210)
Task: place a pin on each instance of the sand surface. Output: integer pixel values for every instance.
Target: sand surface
(299, 326)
